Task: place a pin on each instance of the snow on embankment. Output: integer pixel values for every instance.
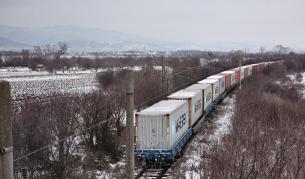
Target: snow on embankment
(217, 125)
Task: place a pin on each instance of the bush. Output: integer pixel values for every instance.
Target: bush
(266, 138)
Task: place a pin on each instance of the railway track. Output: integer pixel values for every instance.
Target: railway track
(160, 171)
(153, 173)
(165, 172)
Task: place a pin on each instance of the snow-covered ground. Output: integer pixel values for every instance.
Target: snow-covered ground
(303, 82)
(11, 72)
(293, 78)
(216, 126)
(25, 82)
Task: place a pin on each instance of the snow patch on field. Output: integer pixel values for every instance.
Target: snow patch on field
(46, 85)
(102, 175)
(27, 72)
(294, 80)
(192, 175)
(115, 170)
(292, 77)
(27, 83)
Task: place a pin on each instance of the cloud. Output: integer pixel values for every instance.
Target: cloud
(199, 21)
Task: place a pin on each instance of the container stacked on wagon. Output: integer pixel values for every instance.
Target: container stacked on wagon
(163, 129)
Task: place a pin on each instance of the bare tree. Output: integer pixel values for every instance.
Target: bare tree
(49, 122)
(280, 50)
(62, 49)
(38, 51)
(262, 50)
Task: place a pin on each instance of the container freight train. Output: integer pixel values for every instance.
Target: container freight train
(164, 128)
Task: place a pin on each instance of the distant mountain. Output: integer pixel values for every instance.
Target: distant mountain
(81, 39)
(228, 46)
(61, 33)
(7, 44)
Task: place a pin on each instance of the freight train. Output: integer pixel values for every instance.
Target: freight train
(163, 129)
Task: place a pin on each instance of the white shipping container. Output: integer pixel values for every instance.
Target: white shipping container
(215, 86)
(161, 125)
(194, 99)
(207, 93)
(233, 76)
(221, 79)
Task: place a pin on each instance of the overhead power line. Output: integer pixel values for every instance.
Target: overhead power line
(56, 142)
(91, 127)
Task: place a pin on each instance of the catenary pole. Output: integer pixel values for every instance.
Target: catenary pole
(6, 143)
(130, 126)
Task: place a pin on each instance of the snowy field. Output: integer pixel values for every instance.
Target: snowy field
(28, 83)
(217, 125)
(25, 82)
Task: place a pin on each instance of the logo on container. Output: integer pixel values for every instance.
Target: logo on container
(216, 90)
(181, 121)
(154, 132)
(197, 106)
(209, 97)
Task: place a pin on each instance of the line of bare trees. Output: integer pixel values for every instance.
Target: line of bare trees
(50, 58)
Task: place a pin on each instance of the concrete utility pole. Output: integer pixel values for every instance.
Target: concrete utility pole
(6, 141)
(130, 126)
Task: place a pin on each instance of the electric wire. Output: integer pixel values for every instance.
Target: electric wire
(91, 127)
(58, 141)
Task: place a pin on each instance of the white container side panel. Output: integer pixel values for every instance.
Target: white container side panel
(250, 70)
(242, 73)
(216, 89)
(197, 107)
(153, 132)
(233, 79)
(222, 85)
(207, 97)
(178, 124)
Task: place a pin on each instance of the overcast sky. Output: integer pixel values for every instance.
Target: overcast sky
(199, 21)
